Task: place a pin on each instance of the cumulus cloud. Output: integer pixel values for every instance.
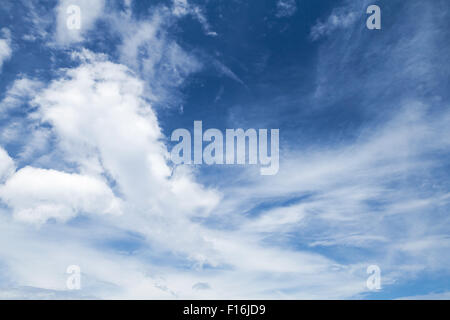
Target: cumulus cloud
(104, 126)
(36, 195)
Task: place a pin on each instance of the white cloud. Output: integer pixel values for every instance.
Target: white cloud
(36, 195)
(5, 46)
(286, 8)
(106, 132)
(150, 51)
(105, 129)
(22, 132)
(7, 166)
(182, 8)
(340, 18)
(39, 21)
(346, 196)
(22, 90)
(223, 69)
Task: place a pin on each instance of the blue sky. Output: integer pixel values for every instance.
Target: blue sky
(86, 179)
